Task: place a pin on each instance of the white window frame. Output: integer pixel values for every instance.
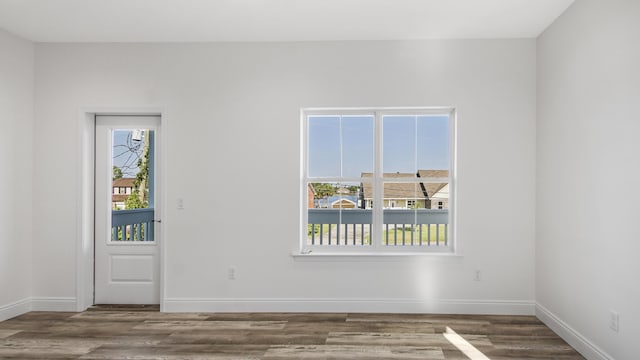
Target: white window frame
(377, 248)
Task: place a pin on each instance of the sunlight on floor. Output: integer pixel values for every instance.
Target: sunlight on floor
(463, 345)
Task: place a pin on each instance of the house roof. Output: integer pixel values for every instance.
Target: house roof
(401, 190)
(335, 198)
(394, 190)
(124, 182)
(433, 173)
(433, 187)
(442, 193)
(119, 197)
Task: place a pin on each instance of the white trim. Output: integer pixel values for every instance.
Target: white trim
(585, 347)
(350, 255)
(53, 304)
(26, 305)
(443, 306)
(378, 178)
(453, 181)
(388, 110)
(14, 309)
(161, 195)
(85, 204)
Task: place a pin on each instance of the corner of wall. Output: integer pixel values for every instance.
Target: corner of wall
(570, 335)
(17, 88)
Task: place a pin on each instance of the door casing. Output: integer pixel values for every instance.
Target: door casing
(85, 230)
(136, 263)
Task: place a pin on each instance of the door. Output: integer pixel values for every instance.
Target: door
(127, 261)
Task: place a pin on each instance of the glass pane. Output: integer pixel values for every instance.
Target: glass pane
(399, 216)
(323, 146)
(132, 185)
(399, 144)
(433, 143)
(408, 218)
(357, 145)
(336, 216)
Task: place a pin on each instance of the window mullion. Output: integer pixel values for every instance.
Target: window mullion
(304, 174)
(398, 186)
(376, 227)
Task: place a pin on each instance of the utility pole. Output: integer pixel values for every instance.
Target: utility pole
(144, 165)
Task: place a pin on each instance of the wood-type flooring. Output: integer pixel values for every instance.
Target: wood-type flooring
(124, 333)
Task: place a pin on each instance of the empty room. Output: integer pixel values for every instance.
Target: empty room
(319, 179)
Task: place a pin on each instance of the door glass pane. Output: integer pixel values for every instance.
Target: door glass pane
(132, 185)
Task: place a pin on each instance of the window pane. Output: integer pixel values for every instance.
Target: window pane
(324, 146)
(335, 215)
(132, 189)
(433, 142)
(357, 145)
(398, 219)
(399, 144)
(413, 198)
(438, 192)
(408, 219)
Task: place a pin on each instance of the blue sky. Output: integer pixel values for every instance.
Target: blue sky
(126, 152)
(344, 147)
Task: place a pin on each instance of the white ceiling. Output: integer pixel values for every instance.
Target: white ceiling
(275, 20)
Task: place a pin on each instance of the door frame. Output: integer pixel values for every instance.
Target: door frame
(85, 262)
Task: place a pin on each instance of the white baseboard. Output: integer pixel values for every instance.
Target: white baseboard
(14, 309)
(37, 304)
(585, 347)
(53, 304)
(493, 307)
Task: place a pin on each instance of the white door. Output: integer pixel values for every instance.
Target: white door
(127, 261)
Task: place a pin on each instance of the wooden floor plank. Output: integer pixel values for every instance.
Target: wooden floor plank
(125, 333)
(400, 339)
(353, 352)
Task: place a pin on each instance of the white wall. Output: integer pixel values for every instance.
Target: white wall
(588, 151)
(16, 164)
(232, 113)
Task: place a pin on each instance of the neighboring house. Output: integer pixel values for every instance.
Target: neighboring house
(339, 201)
(343, 203)
(440, 200)
(399, 195)
(122, 188)
(437, 192)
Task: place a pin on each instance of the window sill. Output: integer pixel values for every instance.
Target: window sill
(389, 255)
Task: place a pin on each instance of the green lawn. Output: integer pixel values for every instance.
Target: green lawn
(431, 232)
(429, 235)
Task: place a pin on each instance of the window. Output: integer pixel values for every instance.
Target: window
(374, 175)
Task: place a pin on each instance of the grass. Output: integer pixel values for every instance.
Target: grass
(431, 231)
(428, 236)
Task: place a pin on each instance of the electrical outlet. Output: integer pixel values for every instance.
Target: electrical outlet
(180, 203)
(231, 273)
(614, 320)
(476, 276)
